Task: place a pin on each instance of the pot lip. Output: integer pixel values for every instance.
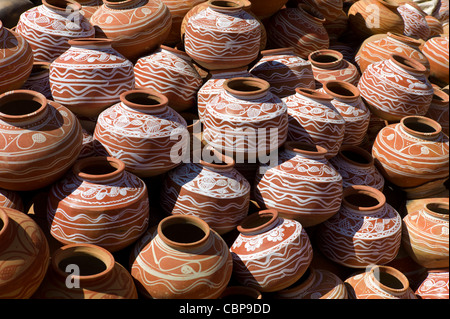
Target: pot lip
(316, 16)
(366, 190)
(228, 162)
(272, 213)
(161, 98)
(325, 52)
(90, 41)
(184, 219)
(313, 94)
(394, 272)
(300, 148)
(412, 64)
(426, 120)
(404, 38)
(346, 85)
(29, 95)
(96, 160)
(237, 5)
(358, 150)
(443, 97)
(277, 51)
(431, 212)
(75, 5)
(263, 86)
(241, 290)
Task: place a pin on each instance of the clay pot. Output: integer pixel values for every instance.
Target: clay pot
(241, 293)
(313, 119)
(412, 152)
(380, 282)
(235, 33)
(284, 70)
(142, 131)
(435, 285)
(11, 199)
(265, 9)
(181, 259)
(49, 26)
(416, 25)
(270, 253)
(395, 88)
(435, 25)
(24, 255)
(437, 52)
(330, 65)
(425, 235)
(45, 140)
(136, 27)
(302, 185)
(39, 80)
(84, 271)
(365, 231)
(439, 110)
(170, 72)
(90, 76)
(283, 30)
(88, 7)
(16, 60)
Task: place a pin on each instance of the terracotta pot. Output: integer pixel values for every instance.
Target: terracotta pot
(170, 72)
(24, 255)
(182, 259)
(88, 7)
(380, 282)
(284, 31)
(45, 140)
(313, 119)
(136, 27)
(416, 25)
(90, 76)
(39, 80)
(284, 70)
(236, 35)
(264, 9)
(49, 26)
(435, 25)
(83, 271)
(435, 285)
(439, 110)
(11, 199)
(395, 88)
(302, 186)
(365, 231)
(437, 52)
(141, 131)
(271, 252)
(412, 152)
(16, 60)
(425, 235)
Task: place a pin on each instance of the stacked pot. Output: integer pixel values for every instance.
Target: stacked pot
(218, 149)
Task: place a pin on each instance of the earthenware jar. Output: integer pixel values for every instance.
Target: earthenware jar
(170, 72)
(44, 137)
(380, 282)
(437, 51)
(11, 199)
(435, 285)
(84, 271)
(241, 293)
(365, 231)
(416, 25)
(90, 76)
(264, 9)
(284, 70)
(435, 25)
(412, 152)
(302, 185)
(143, 132)
(136, 27)
(270, 253)
(183, 258)
(88, 7)
(396, 87)
(234, 33)
(24, 254)
(439, 110)
(49, 26)
(39, 79)
(16, 60)
(313, 119)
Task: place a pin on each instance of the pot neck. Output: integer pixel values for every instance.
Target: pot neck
(440, 98)
(316, 96)
(22, 107)
(247, 88)
(326, 59)
(406, 64)
(389, 280)
(259, 222)
(62, 7)
(404, 39)
(120, 4)
(356, 156)
(305, 150)
(226, 6)
(99, 169)
(363, 199)
(144, 100)
(420, 127)
(342, 91)
(437, 210)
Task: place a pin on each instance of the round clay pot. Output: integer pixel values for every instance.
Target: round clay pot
(437, 51)
(395, 88)
(302, 186)
(16, 60)
(11, 199)
(24, 254)
(49, 26)
(265, 9)
(88, 7)
(425, 235)
(435, 285)
(182, 259)
(412, 152)
(284, 70)
(241, 293)
(435, 25)
(313, 119)
(84, 271)
(380, 282)
(90, 76)
(365, 231)
(170, 72)
(234, 33)
(439, 110)
(39, 79)
(270, 253)
(136, 27)
(143, 132)
(416, 25)
(45, 140)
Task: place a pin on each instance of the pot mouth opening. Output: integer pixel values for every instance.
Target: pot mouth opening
(88, 265)
(225, 4)
(419, 125)
(390, 278)
(183, 231)
(341, 89)
(98, 168)
(246, 86)
(325, 57)
(62, 5)
(257, 221)
(408, 63)
(440, 97)
(363, 198)
(142, 98)
(21, 104)
(404, 38)
(436, 208)
(313, 94)
(356, 155)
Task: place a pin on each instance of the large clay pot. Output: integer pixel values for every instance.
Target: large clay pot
(16, 60)
(270, 253)
(395, 88)
(437, 51)
(49, 26)
(181, 259)
(365, 231)
(284, 70)
(136, 27)
(439, 110)
(39, 79)
(416, 25)
(435, 285)
(302, 185)
(143, 132)
(90, 76)
(24, 255)
(223, 36)
(11, 199)
(44, 140)
(98, 203)
(170, 72)
(265, 9)
(84, 271)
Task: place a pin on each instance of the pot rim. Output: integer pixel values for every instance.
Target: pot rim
(262, 86)
(407, 63)
(183, 219)
(98, 160)
(420, 119)
(161, 99)
(305, 148)
(393, 272)
(327, 86)
(313, 94)
(365, 190)
(272, 213)
(26, 95)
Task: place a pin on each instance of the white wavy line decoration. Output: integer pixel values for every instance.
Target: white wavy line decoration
(17, 71)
